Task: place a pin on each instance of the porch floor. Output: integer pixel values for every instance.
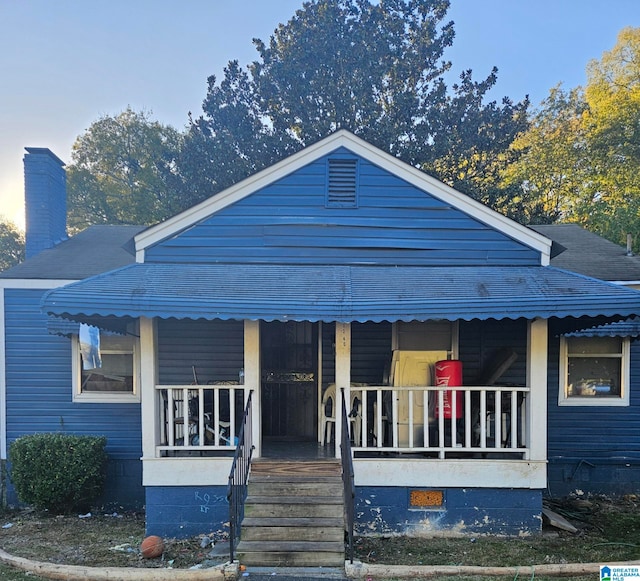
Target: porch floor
(296, 450)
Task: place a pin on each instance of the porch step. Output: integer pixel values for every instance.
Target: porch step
(294, 515)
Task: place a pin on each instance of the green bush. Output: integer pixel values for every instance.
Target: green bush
(58, 472)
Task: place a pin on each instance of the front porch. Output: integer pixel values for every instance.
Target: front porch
(387, 371)
(406, 441)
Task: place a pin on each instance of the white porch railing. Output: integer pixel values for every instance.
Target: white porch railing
(475, 422)
(427, 420)
(198, 417)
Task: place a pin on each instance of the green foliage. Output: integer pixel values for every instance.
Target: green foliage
(375, 68)
(58, 472)
(123, 171)
(11, 245)
(580, 159)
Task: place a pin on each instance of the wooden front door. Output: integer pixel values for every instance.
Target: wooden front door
(289, 380)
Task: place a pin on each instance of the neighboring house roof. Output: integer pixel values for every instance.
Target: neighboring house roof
(94, 250)
(590, 254)
(339, 293)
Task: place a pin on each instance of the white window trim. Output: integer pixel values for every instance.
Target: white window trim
(102, 397)
(623, 400)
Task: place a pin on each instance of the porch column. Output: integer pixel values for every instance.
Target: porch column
(149, 406)
(343, 375)
(537, 339)
(252, 380)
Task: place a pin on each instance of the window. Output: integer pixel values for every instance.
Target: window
(594, 371)
(115, 380)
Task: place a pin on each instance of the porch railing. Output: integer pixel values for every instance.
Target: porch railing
(199, 417)
(348, 481)
(467, 420)
(238, 478)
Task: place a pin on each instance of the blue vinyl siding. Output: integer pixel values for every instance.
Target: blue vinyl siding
(215, 349)
(479, 343)
(593, 449)
(394, 223)
(38, 376)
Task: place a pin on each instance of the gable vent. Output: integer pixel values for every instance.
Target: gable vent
(342, 183)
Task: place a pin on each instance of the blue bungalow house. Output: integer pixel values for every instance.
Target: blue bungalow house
(474, 376)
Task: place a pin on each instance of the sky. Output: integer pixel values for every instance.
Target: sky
(66, 63)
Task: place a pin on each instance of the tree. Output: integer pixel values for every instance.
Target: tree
(375, 68)
(612, 124)
(11, 244)
(580, 159)
(549, 173)
(123, 171)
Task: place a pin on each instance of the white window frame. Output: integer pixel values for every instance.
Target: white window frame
(104, 396)
(622, 400)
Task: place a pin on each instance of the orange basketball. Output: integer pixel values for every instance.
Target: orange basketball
(152, 547)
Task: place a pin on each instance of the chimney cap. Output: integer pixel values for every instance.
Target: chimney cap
(44, 151)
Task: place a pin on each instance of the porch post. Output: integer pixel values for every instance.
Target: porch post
(343, 375)
(537, 339)
(148, 379)
(252, 380)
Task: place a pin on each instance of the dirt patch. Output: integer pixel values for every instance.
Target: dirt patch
(608, 530)
(99, 540)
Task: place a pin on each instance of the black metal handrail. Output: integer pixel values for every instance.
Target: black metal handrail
(238, 477)
(348, 481)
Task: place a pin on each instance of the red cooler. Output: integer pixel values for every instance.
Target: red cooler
(449, 373)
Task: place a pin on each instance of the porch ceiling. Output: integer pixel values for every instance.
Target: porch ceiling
(340, 293)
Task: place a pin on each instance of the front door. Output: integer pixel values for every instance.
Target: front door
(289, 380)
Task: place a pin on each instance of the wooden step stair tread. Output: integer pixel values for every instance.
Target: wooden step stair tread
(293, 534)
(278, 478)
(326, 468)
(293, 499)
(294, 514)
(292, 522)
(291, 546)
(286, 559)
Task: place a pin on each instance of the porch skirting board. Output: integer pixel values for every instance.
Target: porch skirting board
(185, 511)
(384, 510)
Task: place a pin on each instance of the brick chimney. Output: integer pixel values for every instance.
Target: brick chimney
(45, 184)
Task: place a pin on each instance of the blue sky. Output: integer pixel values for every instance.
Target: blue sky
(64, 63)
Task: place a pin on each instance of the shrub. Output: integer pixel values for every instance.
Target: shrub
(58, 472)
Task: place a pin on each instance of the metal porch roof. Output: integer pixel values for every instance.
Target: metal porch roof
(627, 328)
(339, 293)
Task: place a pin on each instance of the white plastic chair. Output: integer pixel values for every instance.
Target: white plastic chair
(328, 414)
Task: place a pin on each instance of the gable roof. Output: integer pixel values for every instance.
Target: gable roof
(342, 139)
(97, 249)
(590, 254)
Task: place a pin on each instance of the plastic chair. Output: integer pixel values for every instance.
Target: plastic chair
(329, 414)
